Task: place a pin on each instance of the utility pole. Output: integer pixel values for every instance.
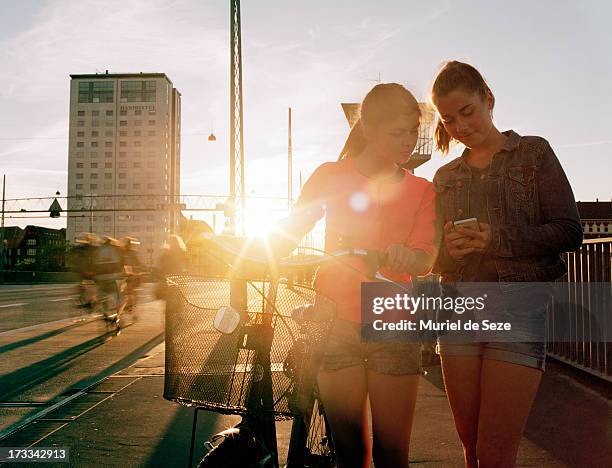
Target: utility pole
(2, 231)
(237, 193)
(289, 165)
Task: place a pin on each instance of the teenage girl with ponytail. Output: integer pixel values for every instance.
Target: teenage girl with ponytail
(516, 188)
(369, 202)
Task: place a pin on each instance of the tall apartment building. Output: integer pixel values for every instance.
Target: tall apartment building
(124, 157)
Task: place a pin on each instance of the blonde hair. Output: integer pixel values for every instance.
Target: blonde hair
(382, 104)
(456, 75)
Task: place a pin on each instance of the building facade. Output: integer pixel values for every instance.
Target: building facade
(34, 248)
(124, 157)
(596, 219)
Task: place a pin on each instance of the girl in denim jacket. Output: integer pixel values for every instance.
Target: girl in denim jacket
(527, 216)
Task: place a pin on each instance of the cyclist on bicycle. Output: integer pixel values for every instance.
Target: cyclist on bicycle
(131, 267)
(371, 202)
(82, 264)
(109, 273)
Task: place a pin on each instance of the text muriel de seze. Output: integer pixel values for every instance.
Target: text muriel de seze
(410, 304)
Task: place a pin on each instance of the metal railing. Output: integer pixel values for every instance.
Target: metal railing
(586, 342)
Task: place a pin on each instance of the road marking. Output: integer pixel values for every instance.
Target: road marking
(62, 299)
(33, 287)
(17, 304)
(85, 318)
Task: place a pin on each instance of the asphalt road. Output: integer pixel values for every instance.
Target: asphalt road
(50, 349)
(27, 305)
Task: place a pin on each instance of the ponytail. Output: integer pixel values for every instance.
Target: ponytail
(442, 138)
(355, 142)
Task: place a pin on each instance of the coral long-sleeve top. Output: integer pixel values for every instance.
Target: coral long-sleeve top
(364, 213)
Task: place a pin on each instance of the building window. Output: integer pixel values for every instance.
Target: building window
(81, 134)
(137, 112)
(94, 165)
(80, 123)
(151, 133)
(108, 133)
(138, 122)
(94, 144)
(108, 186)
(31, 242)
(96, 91)
(136, 186)
(80, 154)
(108, 144)
(31, 252)
(79, 175)
(138, 91)
(122, 154)
(108, 123)
(123, 123)
(151, 122)
(108, 165)
(137, 133)
(93, 154)
(80, 144)
(123, 133)
(136, 164)
(95, 113)
(109, 112)
(79, 165)
(123, 144)
(108, 175)
(122, 175)
(93, 186)
(95, 133)
(137, 143)
(108, 154)
(123, 112)
(93, 176)
(95, 123)
(122, 165)
(81, 113)
(122, 186)
(79, 186)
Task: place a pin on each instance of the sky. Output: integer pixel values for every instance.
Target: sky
(547, 62)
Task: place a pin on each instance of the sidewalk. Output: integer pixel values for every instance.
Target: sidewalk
(125, 422)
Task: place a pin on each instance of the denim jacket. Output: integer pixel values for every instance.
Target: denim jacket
(531, 208)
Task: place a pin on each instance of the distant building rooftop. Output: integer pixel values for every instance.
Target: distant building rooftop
(120, 75)
(595, 210)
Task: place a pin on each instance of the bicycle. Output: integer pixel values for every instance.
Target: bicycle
(106, 295)
(252, 357)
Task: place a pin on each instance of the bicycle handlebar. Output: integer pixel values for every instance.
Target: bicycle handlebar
(374, 257)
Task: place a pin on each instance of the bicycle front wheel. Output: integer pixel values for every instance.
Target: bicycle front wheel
(319, 444)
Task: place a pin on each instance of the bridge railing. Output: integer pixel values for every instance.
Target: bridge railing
(586, 342)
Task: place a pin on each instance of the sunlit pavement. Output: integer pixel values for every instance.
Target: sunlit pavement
(124, 420)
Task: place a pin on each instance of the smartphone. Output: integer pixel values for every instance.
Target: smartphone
(470, 223)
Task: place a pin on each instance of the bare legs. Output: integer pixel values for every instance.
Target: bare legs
(392, 399)
(490, 401)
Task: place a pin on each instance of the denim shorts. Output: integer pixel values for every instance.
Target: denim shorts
(345, 349)
(525, 305)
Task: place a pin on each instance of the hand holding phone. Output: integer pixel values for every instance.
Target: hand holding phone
(469, 223)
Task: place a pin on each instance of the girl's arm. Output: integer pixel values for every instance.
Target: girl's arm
(309, 208)
(423, 239)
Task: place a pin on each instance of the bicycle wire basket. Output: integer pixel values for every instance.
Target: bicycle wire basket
(215, 371)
